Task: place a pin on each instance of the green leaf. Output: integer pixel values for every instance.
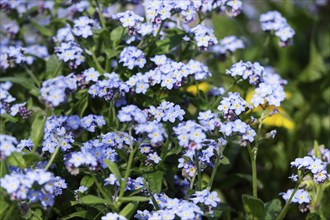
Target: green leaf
(43, 30)
(253, 206)
(25, 82)
(16, 159)
(317, 152)
(249, 178)
(87, 181)
(114, 169)
(90, 199)
(225, 161)
(155, 180)
(84, 214)
(316, 66)
(52, 66)
(30, 157)
(82, 104)
(3, 168)
(135, 199)
(313, 216)
(37, 129)
(325, 201)
(111, 53)
(4, 205)
(116, 35)
(129, 210)
(273, 209)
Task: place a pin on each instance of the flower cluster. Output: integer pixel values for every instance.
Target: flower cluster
(83, 27)
(204, 37)
(171, 209)
(268, 84)
(110, 88)
(324, 154)
(90, 122)
(23, 6)
(206, 198)
(132, 57)
(209, 120)
(301, 196)
(5, 103)
(166, 111)
(168, 73)
(64, 35)
(36, 185)
(57, 133)
(228, 45)
(130, 20)
(158, 11)
(239, 127)
(132, 113)
(12, 55)
(7, 146)
(93, 152)
(155, 131)
(314, 165)
(113, 216)
(190, 135)
(233, 105)
(55, 91)
(274, 22)
(70, 51)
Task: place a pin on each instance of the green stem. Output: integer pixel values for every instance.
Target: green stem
(98, 65)
(287, 204)
(104, 194)
(53, 156)
(31, 74)
(101, 15)
(253, 157)
(199, 182)
(159, 30)
(192, 181)
(58, 69)
(214, 171)
(129, 165)
(315, 204)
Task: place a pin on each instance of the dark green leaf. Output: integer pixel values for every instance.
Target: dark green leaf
(225, 161)
(4, 205)
(313, 216)
(37, 129)
(129, 210)
(90, 199)
(16, 159)
(155, 180)
(114, 169)
(25, 82)
(3, 168)
(253, 206)
(87, 181)
(135, 198)
(273, 209)
(43, 30)
(30, 157)
(116, 35)
(52, 66)
(325, 201)
(84, 214)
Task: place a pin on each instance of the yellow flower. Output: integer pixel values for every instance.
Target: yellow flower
(281, 119)
(203, 86)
